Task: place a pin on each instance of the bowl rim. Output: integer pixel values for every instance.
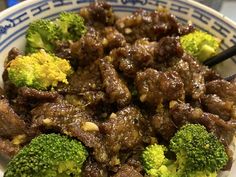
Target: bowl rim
(195, 3)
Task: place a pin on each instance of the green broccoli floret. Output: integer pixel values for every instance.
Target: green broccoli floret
(38, 70)
(71, 25)
(49, 155)
(198, 154)
(41, 34)
(197, 150)
(200, 45)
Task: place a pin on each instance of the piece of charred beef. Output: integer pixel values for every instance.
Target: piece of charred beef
(89, 98)
(127, 171)
(130, 59)
(224, 89)
(142, 24)
(98, 14)
(214, 104)
(168, 47)
(112, 38)
(192, 74)
(91, 168)
(34, 94)
(8, 149)
(183, 113)
(156, 87)
(72, 121)
(143, 54)
(11, 124)
(13, 53)
(83, 80)
(163, 125)
(88, 48)
(122, 131)
(115, 87)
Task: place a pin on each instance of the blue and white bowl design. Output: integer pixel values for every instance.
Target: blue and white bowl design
(14, 23)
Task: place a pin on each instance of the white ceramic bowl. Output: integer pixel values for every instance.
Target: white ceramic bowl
(14, 22)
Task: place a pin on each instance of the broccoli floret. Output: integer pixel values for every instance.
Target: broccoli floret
(197, 150)
(38, 70)
(198, 154)
(50, 155)
(41, 34)
(154, 161)
(200, 45)
(71, 25)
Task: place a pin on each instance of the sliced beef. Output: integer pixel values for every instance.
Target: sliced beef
(73, 121)
(143, 24)
(143, 54)
(115, 87)
(8, 149)
(127, 171)
(98, 14)
(83, 80)
(213, 104)
(192, 74)
(112, 38)
(156, 87)
(89, 98)
(34, 94)
(122, 130)
(10, 123)
(130, 59)
(168, 47)
(224, 89)
(92, 168)
(163, 125)
(183, 113)
(88, 48)
(13, 53)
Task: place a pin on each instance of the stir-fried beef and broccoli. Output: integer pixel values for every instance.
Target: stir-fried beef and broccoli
(96, 95)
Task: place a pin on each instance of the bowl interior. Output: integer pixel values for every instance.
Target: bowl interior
(14, 22)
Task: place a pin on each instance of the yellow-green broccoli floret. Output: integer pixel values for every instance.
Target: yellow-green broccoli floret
(50, 155)
(154, 161)
(200, 45)
(39, 70)
(198, 154)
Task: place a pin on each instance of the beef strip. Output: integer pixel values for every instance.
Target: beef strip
(115, 87)
(98, 14)
(88, 48)
(34, 94)
(112, 38)
(91, 168)
(83, 80)
(122, 131)
(142, 24)
(13, 53)
(183, 113)
(72, 121)
(143, 53)
(127, 171)
(10, 123)
(130, 59)
(213, 104)
(163, 124)
(8, 149)
(156, 87)
(192, 74)
(224, 89)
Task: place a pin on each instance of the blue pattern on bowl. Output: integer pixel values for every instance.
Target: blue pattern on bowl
(14, 21)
